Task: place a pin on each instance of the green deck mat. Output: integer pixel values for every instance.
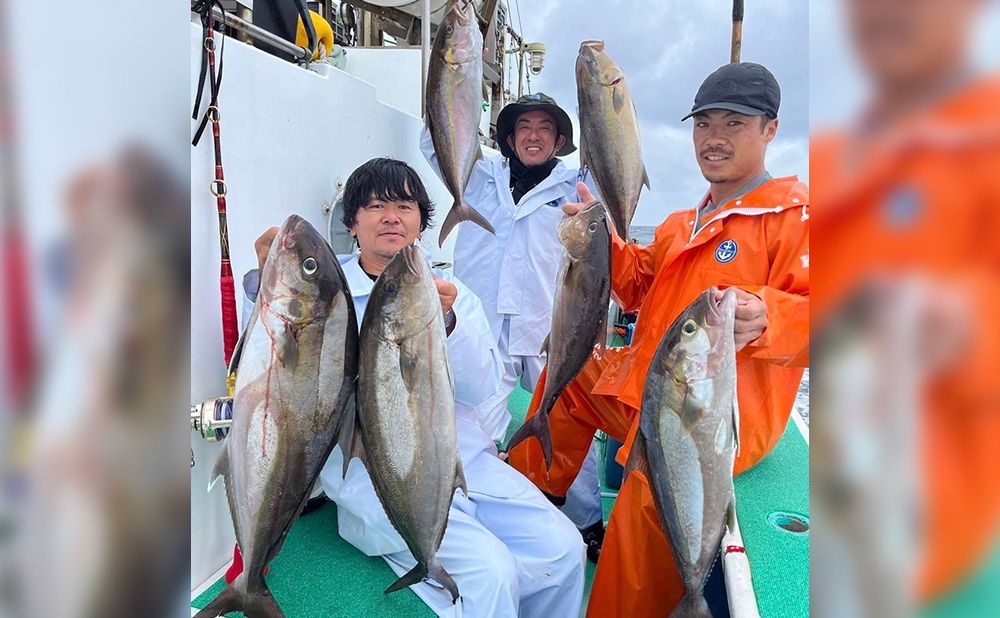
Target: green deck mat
(319, 574)
(779, 560)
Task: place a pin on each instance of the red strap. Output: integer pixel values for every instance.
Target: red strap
(735, 549)
(237, 566)
(20, 345)
(230, 329)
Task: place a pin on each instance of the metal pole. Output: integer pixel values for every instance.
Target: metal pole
(425, 51)
(236, 23)
(520, 71)
(737, 44)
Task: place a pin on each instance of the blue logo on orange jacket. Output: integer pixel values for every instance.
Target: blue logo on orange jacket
(726, 251)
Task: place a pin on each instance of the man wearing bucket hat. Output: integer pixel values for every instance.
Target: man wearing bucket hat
(750, 233)
(514, 273)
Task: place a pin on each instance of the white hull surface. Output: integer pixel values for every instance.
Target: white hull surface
(289, 136)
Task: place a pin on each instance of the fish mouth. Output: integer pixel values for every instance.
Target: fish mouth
(593, 44)
(410, 256)
(288, 230)
(616, 82)
(459, 10)
(721, 305)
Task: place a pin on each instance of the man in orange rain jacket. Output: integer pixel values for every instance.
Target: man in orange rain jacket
(750, 232)
(914, 189)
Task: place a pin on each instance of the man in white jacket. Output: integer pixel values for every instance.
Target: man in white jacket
(510, 551)
(514, 272)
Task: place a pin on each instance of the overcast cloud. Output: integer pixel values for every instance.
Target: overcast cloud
(666, 48)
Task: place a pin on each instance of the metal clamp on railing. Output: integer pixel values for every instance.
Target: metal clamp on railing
(212, 418)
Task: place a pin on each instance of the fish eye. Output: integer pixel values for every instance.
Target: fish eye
(390, 288)
(309, 265)
(690, 327)
(593, 226)
(449, 28)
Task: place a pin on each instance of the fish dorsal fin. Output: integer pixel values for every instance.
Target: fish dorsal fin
(584, 159)
(545, 345)
(221, 467)
(618, 98)
(645, 177)
(690, 413)
(460, 478)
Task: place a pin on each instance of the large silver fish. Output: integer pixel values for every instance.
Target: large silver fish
(296, 367)
(609, 133)
(454, 106)
(406, 408)
(579, 314)
(687, 441)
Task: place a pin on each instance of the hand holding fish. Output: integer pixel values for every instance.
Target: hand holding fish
(262, 245)
(447, 292)
(586, 199)
(751, 317)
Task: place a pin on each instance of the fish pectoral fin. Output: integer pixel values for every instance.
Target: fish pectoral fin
(691, 412)
(637, 457)
(221, 467)
(460, 478)
(601, 340)
(479, 153)
(645, 177)
(618, 98)
(288, 348)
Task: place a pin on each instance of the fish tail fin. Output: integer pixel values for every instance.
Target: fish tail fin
(229, 600)
(537, 426)
(256, 604)
(349, 438)
(692, 606)
(414, 576)
(461, 211)
(438, 574)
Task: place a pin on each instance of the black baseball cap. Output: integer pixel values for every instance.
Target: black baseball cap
(743, 87)
(538, 101)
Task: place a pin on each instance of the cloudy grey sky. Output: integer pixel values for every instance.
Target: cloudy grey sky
(666, 48)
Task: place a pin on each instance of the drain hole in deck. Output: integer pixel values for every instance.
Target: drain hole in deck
(789, 522)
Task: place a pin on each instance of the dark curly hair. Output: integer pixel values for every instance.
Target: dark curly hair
(385, 179)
